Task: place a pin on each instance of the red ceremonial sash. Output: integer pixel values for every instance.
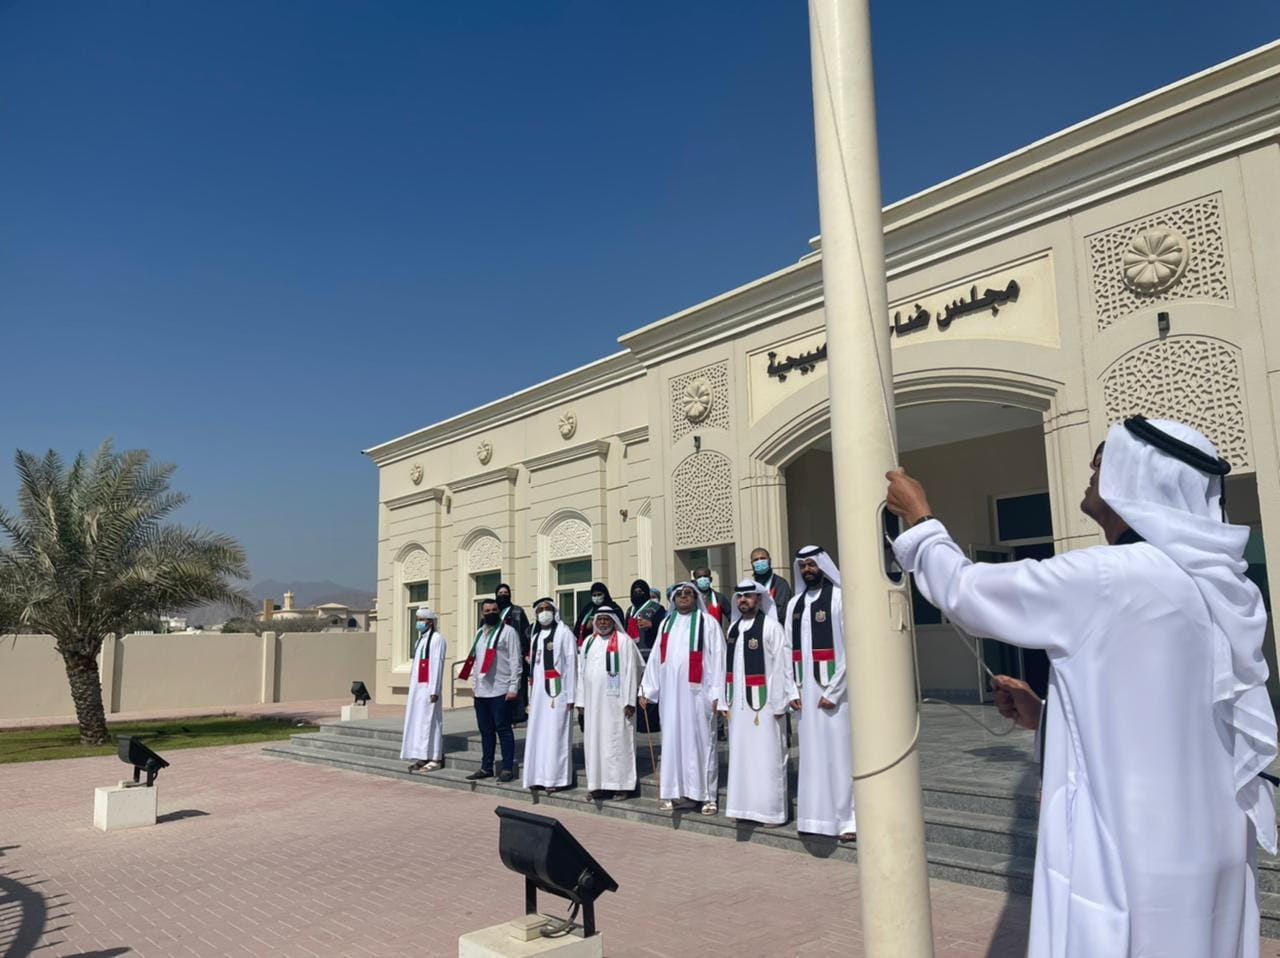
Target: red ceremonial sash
(424, 660)
(490, 654)
(695, 645)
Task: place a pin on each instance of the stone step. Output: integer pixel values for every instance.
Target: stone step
(984, 800)
(944, 826)
(972, 866)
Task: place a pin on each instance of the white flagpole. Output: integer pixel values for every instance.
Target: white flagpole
(894, 881)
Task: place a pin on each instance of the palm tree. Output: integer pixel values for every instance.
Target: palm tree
(89, 552)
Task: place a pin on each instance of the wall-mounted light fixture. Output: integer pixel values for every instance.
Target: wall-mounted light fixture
(1162, 324)
(697, 444)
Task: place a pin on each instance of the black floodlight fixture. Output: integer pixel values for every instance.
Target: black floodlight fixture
(133, 752)
(541, 849)
(361, 692)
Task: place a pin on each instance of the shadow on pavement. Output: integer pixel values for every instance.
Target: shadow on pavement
(180, 815)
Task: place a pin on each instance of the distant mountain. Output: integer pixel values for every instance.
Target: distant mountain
(305, 595)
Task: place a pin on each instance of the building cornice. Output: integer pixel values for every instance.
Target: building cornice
(434, 494)
(629, 437)
(1214, 113)
(1217, 112)
(597, 447)
(505, 474)
(770, 299)
(574, 385)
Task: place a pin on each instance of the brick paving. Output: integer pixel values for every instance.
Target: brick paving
(258, 856)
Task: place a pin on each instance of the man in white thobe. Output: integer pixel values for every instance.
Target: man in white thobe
(1157, 720)
(758, 689)
(423, 738)
(684, 670)
(824, 799)
(548, 743)
(609, 667)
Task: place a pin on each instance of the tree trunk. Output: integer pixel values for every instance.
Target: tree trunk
(86, 693)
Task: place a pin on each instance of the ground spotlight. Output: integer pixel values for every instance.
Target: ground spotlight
(542, 850)
(132, 752)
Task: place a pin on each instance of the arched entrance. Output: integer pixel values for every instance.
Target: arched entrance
(981, 453)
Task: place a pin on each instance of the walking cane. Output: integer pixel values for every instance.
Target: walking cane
(653, 762)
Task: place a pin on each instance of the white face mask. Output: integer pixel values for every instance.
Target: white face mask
(546, 617)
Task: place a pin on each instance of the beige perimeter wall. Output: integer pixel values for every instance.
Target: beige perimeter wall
(152, 672)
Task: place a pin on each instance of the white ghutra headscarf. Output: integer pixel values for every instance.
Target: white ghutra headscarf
(749, 587)
(824, 561)
(697, 593)
(1178, 509)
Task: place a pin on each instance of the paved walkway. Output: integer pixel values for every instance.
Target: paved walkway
(257, 856)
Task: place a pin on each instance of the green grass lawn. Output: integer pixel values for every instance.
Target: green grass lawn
(63, 741)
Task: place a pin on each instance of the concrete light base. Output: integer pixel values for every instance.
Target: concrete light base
(124, 806)
(355, 713)
(508, 940)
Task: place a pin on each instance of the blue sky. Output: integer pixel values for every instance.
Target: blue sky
(257, 236)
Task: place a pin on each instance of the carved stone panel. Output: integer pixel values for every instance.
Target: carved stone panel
(1192, 379)
(570, 538)
(1176, 254)
(485, 553)
(702, 490)
(700, 399)
(416, 566)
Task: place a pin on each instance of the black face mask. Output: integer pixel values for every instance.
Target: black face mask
(639, 598)
(504, 600)
(491, 618)
(812, 579)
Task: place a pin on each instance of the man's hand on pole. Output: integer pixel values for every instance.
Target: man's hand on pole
(906, 498)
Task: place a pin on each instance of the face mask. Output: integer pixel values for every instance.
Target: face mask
(491, 618)
(503, 600)
(761, 566)
(597, 598)
(422, 626)
(703, 583)
(546, 617)
(639, 598)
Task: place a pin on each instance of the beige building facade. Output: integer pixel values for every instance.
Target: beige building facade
(1123, 265)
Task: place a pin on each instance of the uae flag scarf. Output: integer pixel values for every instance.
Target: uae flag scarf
(611, 660)
(551, 680)
(490, 653)
(633, 618)
(821, 637)
(697, 640)
(753, 665)
(424, 657)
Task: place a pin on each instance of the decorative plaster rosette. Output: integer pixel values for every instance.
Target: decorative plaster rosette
(415, 474)
(697, 400)
(1155, 260)
(568, 425)
(484, 452)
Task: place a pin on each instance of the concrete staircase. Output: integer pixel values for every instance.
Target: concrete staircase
(979, 829)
